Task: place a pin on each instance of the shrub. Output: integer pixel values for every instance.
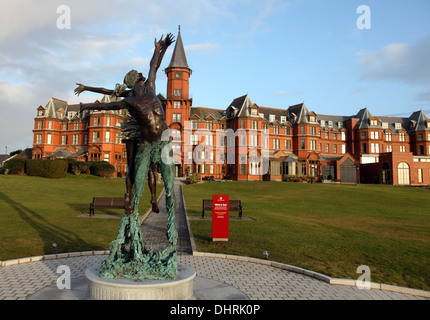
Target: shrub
(194, 178)
(47, 168)
(79, 167)
(101, 169)
(14, 166)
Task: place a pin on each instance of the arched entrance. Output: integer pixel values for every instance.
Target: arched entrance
(403, 173)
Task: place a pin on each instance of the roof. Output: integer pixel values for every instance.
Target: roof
(203, 113)
(179, 58)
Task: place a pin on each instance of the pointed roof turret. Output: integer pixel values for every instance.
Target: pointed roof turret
(178, 58)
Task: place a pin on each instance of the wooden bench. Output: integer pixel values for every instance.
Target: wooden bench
(234, 205)
(106, 203)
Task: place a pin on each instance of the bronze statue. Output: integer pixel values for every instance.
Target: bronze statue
(130, 137)
(129, 257)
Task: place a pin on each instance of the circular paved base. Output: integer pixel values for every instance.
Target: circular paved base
(127, 289)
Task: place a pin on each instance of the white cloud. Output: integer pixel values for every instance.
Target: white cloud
(399, 63)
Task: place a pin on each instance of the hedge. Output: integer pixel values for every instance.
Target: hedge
(14, 166)
(47, 168)
(101, 169)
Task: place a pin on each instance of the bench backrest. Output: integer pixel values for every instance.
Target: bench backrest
(112, 202)
(233, 204)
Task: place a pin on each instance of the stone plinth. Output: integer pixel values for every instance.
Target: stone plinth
(127, 289)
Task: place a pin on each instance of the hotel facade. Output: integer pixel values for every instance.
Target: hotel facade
(246, 141)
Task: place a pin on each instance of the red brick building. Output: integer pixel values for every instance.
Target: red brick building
(245, 141)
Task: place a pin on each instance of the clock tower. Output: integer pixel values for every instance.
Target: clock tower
(178, 102)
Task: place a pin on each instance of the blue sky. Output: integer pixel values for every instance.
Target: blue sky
(278, 52)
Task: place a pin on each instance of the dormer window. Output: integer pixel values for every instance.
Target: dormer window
(398, 126)
(41, 113)
(373, 122)
(311, 118)
(283, 119)
(254, 112)
(322, 123)
(271, 118)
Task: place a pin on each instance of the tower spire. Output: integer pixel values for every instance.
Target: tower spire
(179, 58)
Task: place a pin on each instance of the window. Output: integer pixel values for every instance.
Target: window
(106, 157)
(421, 150)
(334, 136)
(335, 148)
(373, 122)
(363, 135)
(401, 137)
(108, 121)
(402, 149)
(49, 139)
(275, 143)
(194, 124)
(313, 145)
(312, 119)
(177, 92)
(364, 148)
(326, 135)
(64, 140)
(389, 148)
(254, 140)
(76, 139)
(39, 139)
(403, 173)
(210, 125)
(322, 123)
(420, 137)
(388, 136)
(327, 148)
(107, 136)
(50, 125)
(302, 130)
(343, 137)
(283, 119)
(398, 126)
(287, 145)
(313, 131)
(254, 124)
(420, 175)
(384, 125)
(302, 144)
(343, 149)
(374, 148)
(254, 112)
(96, 136)
(275, 130)
(271, 118)
(177, 104)
(177, 117)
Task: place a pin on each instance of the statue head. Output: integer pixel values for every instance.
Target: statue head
(132, 77)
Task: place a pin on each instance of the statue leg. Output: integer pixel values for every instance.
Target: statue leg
(131, 148)
(152, 183)
(168, 174)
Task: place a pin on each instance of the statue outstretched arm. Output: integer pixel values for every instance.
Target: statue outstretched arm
(81, 88)
(115, 105)
(159, 51)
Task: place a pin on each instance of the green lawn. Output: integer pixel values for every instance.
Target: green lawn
(35, 212)
(332, 229)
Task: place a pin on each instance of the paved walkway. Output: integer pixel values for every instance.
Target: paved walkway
(218, 277)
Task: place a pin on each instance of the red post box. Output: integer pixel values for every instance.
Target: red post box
(220, 217)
